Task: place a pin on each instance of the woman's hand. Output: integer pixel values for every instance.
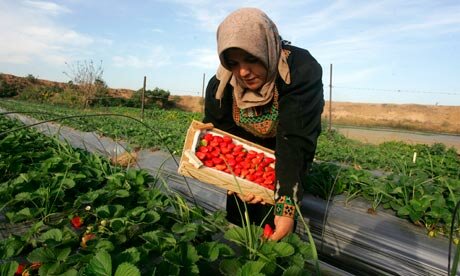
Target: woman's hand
(283, 226)
(249, 198)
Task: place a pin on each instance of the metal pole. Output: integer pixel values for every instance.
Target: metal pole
(202, 91)
(143, 98)
(330, 98)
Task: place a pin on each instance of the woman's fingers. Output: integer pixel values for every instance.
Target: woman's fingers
(249, 198)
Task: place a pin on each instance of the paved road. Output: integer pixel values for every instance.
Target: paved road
(377, 136)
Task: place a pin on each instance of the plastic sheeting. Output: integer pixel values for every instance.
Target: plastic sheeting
(346, 236)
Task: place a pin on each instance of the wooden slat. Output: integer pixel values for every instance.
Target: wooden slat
(212, 176)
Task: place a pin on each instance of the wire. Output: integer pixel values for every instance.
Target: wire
(398, 90)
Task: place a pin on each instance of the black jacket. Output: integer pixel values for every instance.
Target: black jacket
(299, 120)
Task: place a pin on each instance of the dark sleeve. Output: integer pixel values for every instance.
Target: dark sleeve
(300, 106)
(219, 113)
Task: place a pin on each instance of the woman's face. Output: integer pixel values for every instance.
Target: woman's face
(248, 70)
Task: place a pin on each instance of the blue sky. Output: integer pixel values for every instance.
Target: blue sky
(382, 51)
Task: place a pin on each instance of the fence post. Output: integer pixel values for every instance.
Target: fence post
(330, 98)
(202, 91)
(143, 98)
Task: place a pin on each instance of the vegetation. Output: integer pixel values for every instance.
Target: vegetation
(418, 182)
(80, 215)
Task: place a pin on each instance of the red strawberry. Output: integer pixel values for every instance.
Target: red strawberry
(227, 139)
(200, 155)
(19, 270)
(76, 221)
(268, 231)
(208, 137)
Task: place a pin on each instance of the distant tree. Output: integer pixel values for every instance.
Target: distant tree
(31, 78)
(7, 90)
(87, 76)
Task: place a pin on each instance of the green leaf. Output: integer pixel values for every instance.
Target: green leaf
(70, 272)
(105, 245)
(109, 211)
(127, 269)
(140, 180)
(185, 255)
(52, 234)
(117, 224)
(235, 234)
(131, 255)
(42, 255)
(295, 271)
(211, 250)
(8, 268)
(283, 249)
(122, 193)
(100, 264)
(252, 268)
(404, 211)
(24, 196)
(23, 214)
(152, 216)
(63, 253)
(229, 266)
(68, 183)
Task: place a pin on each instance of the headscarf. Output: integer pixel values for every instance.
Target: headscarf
(253, 31)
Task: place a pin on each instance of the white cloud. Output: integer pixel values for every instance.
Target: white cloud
(205, 58)
(31, 33)
(156, 58)
(47, 7)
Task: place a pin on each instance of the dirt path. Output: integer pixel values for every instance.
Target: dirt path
(377, 136)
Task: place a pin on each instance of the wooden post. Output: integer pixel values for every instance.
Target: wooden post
(202, 92)
(143, 98)
(330, 98)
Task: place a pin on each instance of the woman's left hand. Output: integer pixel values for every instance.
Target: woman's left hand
(283, 226)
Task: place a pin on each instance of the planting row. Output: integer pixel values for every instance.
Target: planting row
(72, 213)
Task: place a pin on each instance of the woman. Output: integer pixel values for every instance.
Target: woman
(270, 93)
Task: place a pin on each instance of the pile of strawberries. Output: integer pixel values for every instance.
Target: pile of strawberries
(221, 153)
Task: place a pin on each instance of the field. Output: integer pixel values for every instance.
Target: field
(437, 119)
(418, 183)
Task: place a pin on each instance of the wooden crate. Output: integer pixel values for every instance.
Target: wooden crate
(191, 166)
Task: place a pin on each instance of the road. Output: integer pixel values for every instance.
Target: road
(377, 136)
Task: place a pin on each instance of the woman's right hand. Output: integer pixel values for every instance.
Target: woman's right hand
(249, 198)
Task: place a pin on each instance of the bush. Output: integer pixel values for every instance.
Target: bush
(7, 90)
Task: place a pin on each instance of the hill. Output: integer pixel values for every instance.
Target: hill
(426, 118)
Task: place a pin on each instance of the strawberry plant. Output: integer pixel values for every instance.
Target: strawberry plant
(391, 175)
(96, 219)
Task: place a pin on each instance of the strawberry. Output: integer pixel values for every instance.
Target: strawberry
(203, 149)
(268, 231)
(19, 270)
(200, 155)
(204, 142)
(76, 222)
(227, 139)
(217, 160)
(208, 137)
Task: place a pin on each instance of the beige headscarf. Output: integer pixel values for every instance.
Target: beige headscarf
(253, 31)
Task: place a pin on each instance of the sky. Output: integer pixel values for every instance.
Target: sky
(387, 51)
